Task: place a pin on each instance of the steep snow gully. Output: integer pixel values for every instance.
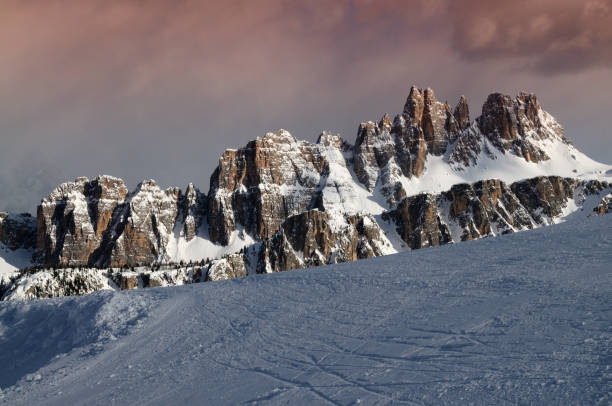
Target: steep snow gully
(519, 319)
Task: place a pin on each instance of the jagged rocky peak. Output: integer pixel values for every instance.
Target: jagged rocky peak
(257, 187)
(73, 218)
(461, 113)
(98, 222)
(328, 139)
(428, 133)
(434, 119)
(387, 151)
(517, 125)
(142, 227)
(193, 206)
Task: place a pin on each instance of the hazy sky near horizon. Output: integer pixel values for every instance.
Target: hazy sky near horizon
(158, 89)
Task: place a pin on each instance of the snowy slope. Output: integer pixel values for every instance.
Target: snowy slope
(11, 261)
(201, 246)
(565, 160)
(519, 319)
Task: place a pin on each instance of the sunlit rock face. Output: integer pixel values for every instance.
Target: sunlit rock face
(259, 186)
(73, 219)
(313, 238)
(99, 222)
(517, 124)
(487, 208)
(386, 152)
(429, 176)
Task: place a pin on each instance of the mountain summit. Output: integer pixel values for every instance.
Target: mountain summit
(427, 177)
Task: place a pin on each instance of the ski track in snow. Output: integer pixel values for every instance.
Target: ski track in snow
(518, 319)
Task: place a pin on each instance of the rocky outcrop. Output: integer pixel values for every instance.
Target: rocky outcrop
(313, 238)
(605, 206)
(418, 222)
(229, 267)
(514, 124)
(293, 204)
(545, 196)
(74, 217)
(305, 240)
(193, 206)
(275, 177)
(17, 231)
(99, 223)
(385, 153)
(486, 208)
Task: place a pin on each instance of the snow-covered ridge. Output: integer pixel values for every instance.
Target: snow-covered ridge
(368, 192)
(465, 212)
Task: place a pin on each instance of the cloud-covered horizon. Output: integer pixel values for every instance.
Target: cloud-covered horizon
(548, 36)
(159, 89)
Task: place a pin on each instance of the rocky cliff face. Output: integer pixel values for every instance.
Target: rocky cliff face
(418, 222)
(516, 126)
(257, 187)
(74, 217)
(17, 231)
(465, 212)
(483, 209)
(99, 223)
(314, 238)
(386, 152)
(414, 180)
(488, 208)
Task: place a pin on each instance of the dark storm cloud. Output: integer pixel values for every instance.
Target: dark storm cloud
(157, 89)
(549, 36)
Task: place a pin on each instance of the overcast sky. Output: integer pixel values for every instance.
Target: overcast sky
(157, 89)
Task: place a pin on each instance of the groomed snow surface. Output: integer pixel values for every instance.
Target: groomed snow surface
(517, 319)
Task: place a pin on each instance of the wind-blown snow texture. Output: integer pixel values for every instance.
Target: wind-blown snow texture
(520, 319)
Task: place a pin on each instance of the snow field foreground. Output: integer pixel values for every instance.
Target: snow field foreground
(519, 319)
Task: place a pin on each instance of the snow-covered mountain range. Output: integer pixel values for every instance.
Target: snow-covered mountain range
(427, 177)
